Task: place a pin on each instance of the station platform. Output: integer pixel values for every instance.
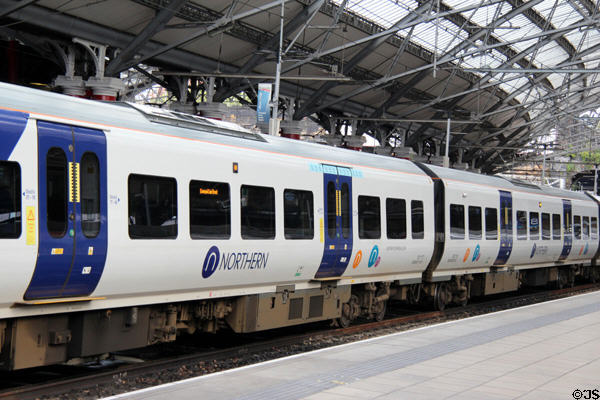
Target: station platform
(549, 351)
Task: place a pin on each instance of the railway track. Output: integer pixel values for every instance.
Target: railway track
(114, 379)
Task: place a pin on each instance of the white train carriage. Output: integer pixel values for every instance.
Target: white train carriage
(123, 226)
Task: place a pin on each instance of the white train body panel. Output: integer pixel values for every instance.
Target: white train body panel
(144, 271)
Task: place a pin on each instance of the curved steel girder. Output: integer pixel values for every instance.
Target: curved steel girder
(446, 57)
(258, 58)
(307, 107)
(529, 85)
(483, 81)
(75, 27)
(125, 57)
(544, 24)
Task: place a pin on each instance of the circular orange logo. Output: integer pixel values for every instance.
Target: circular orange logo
(466, 255)
(357, 259)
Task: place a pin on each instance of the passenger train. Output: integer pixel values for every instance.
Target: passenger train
(124, 225)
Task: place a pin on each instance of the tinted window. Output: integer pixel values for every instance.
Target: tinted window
(152, 207)
(331, 209)
(457, 221)
(369, 218)
(586, 227)
(298, 217)
(534, 226)
(345, 211)
(56, 192)
(10, 200)
(546, 226)
(258, 212)
(594, 228)
(418, 225)
(556, 226)
(210, 210)
(474, 223)
(491, 224)
(521, 225)
(577, 226)
(395, 211)
(90, 195)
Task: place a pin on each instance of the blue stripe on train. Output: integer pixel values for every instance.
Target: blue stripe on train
(12, 125)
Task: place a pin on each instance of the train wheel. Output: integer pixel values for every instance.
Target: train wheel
(380, 307)
(441, 297)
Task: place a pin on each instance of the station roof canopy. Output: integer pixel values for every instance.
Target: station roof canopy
(508, 73)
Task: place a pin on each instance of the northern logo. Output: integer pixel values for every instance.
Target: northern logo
(214, 260)
(211, 262)
(533, 251)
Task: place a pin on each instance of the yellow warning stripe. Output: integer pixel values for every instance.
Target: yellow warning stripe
(74, 182)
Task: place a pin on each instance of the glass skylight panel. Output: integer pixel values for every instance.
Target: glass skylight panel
(550, 55)
(383, 12)
(564, 14)
(484, 16)
(424, 34)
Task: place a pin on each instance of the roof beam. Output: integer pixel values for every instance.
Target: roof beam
(125, 57)
(307, 107)
(258, 58)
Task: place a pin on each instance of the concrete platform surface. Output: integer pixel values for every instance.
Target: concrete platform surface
(544, 351)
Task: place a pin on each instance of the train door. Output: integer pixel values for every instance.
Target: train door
(337, 232)
(506, 228)
(567, 229)
(73, 205)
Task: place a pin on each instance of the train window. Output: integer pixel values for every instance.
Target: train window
(210, 210)
(474, 223)
(546, 226)
(331, 209)
(491, 224)
(577, 226)
(417, 221)
(152, 207)
(534, 226)
(369, 217)
(90, 195)
(298, 216)
(395, 211)
(10, 200)
(56, 191)
(594, 228)
(457, 221)
(345, 211)
(521, 225)
(556, 227)
(258, 212)
(586, 227)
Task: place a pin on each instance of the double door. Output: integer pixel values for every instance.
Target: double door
(337, 232)
(72, 200)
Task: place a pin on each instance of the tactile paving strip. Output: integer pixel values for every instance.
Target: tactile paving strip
(320, 382)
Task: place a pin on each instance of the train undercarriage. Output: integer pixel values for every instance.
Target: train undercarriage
(53, 339)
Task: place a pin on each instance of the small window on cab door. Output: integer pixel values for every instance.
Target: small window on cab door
(10, 200)
(491, 224)
(457, 221)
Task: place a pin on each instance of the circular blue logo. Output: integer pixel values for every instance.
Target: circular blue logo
(211, 261)
(373, 258)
